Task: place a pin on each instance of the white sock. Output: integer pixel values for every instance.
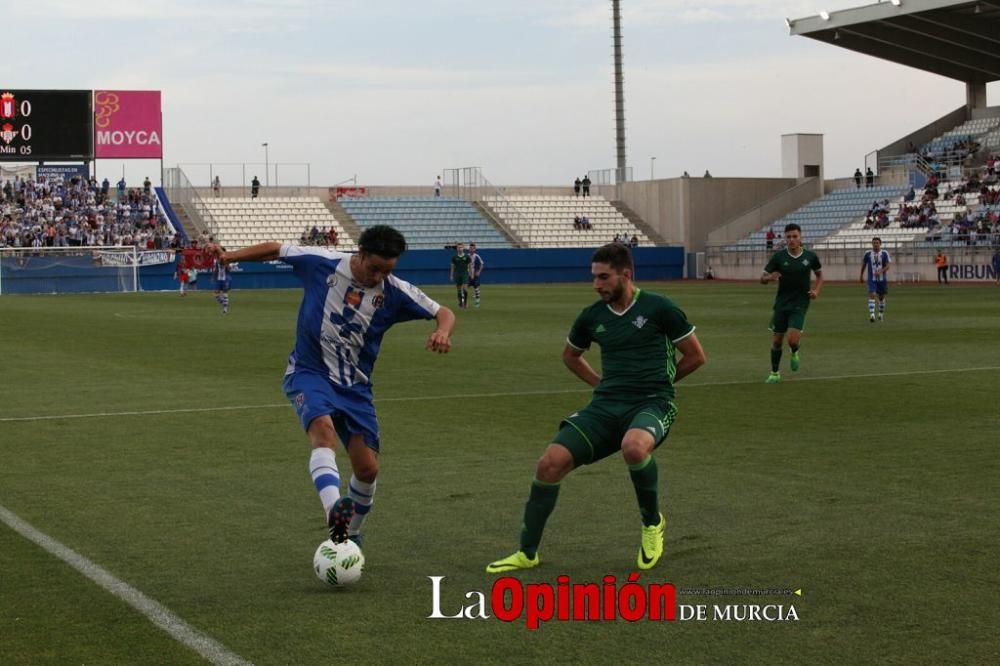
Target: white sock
(881, 307)
(363, 495)
(325, 476)
(871, 307)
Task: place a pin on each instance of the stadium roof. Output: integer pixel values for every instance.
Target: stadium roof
(958, 39)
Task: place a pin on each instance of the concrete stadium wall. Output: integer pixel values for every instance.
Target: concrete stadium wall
(686, 210)
(908, 265)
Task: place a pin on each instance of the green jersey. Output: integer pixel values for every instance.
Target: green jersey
(460, 266)
(796, 277)
(637, 346)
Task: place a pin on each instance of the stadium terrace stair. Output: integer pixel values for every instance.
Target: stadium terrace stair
(240, 222)
(547, 221)
(823, 217)
(428, 222)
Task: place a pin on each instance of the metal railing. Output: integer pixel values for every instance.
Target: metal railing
(470, 184)
(240, 175)
(181, 192)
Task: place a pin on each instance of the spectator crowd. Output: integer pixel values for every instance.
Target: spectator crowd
(55, 212)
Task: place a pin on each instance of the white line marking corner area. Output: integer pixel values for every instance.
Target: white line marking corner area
(507, 394)
(155, 612)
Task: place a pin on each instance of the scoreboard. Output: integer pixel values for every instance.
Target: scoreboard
(40, 125)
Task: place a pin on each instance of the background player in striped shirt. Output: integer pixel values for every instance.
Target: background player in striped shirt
(475, 270)
(876, 263)
(222, 281)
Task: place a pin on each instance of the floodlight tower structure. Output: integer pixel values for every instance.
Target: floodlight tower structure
(619, 95)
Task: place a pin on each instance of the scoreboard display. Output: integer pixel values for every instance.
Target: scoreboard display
(40, 125)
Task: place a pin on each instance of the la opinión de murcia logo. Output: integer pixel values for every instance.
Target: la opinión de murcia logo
(610, 600)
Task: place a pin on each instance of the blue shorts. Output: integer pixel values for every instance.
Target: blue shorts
(222, 285)
(313, 395)
(474, 281)
(879, 288)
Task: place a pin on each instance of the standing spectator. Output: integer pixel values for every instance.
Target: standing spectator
(146, 186)
(869, 177)
(217, 187)
(996, 264)
(635, 241)
(707, 174)
(586, 186)
(121, 188)
(254, 187)
(941, 261)
(331, 237)
(709, 273)
(437, 186)
(857, 177)
(576, 186)
(105, 187)
(769, 238)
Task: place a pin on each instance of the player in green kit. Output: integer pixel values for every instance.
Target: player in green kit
(632, 407)
(459, 274)
(792, 268)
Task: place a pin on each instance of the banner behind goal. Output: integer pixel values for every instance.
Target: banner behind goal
(48, 270)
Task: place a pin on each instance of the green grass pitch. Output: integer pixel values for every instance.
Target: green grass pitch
(868, 479)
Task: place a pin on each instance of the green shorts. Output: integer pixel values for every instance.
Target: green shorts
(785, 318)
(596, 431)
(460, 281)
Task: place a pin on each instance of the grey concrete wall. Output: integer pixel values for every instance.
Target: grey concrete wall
(927, 132)
(769, 211)
(685, 210)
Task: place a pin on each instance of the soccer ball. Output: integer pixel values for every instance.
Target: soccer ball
(338, 564)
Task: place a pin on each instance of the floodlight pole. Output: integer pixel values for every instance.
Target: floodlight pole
(619, 95)
(267, 169)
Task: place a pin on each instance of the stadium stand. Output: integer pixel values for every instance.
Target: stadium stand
(824, 216)
(239, 222)
(964, 212)
(548, 221)
(79, 213)
(427, 222)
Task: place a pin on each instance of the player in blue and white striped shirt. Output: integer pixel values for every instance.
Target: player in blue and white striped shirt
(350, 301)
(475, 270)
(876, 263)
(222, 281)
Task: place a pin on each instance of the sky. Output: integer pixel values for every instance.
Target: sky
(392, 92)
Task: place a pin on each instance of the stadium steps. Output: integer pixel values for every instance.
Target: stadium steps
(639, 223)
(345, 218)
(509, 234)
(186, 222)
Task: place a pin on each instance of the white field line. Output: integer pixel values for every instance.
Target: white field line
(507, 394)
(157, 613)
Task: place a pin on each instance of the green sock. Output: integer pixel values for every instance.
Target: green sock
(541, 502)
(775, 358)
(645, 478)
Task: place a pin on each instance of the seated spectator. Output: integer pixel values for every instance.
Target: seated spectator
(910, 195)
(577, 224)
(585, 223)
(709, 273)
(635, 241)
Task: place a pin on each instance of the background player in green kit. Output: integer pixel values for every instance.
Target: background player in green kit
(632, 408)
(459, 274)
(792, 267)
